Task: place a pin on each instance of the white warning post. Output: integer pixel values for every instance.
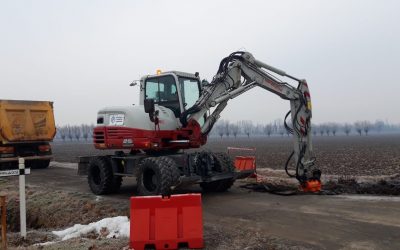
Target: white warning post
(22, 200)
(21, 171)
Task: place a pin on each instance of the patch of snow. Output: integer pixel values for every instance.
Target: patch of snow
(370, 197)
(68, 165)
(98, 198)
(116, 227)
(46, 243)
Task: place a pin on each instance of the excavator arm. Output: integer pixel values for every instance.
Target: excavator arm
(240, 72)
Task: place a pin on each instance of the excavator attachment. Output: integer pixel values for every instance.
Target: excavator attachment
(311, 186)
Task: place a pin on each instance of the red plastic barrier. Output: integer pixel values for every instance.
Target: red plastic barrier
(166, 223)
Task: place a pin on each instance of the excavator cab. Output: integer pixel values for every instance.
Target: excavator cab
(176, 91)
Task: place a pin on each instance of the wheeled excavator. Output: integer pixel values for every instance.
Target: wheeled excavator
(177, 111)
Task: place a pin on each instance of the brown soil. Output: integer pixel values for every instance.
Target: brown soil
(336, 155)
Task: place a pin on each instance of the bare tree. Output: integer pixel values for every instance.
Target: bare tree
(268, 129)
(321, 130)
(220, 127)
(314, 129)
(247, 127)
(227, 128)
(258, 129)
(334, 127)
(62, 131)
(279, 127)
(358, 126)
(347, 128)
(86, 131)
(77, 132)
(235, 129)
(366, 126)
(327, 128)
(70, 132)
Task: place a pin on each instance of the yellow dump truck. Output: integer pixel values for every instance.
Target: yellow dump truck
(26, 128)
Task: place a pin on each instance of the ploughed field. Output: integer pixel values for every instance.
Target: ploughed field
(337, 155)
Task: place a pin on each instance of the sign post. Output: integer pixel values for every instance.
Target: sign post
(3, 222)
(22, 200)
(21, 171)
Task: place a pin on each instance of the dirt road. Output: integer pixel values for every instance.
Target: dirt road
(309, 221)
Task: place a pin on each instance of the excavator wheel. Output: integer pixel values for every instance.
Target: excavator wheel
(222, 164)
(157, 175)
(117, 182)
(101, 178)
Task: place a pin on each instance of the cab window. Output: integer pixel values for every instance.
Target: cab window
(164, 92)
(190, 91)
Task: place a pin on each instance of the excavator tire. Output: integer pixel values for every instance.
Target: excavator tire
(157, 175)
(117, 182)
(223, 164)
(101, 178)
(175, 173)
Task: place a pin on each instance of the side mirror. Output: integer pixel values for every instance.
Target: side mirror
(133, 83)
(149, 106)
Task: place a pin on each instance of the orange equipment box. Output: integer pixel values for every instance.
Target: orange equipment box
(245, 164)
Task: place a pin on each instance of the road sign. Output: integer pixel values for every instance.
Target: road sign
(15, 172)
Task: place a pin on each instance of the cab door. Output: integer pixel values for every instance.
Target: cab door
(163, 90)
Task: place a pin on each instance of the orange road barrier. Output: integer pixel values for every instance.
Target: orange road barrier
(166, 222)
(3, 209)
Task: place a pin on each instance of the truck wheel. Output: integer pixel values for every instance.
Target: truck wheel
(222, 164)
(42, 164)
(100, 176)
(37, 164)
(157, 175)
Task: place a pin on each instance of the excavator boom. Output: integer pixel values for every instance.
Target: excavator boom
(238, 73)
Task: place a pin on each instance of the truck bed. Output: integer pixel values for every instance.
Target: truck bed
(24, 121)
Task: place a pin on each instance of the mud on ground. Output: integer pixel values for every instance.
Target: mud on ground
(54, 209)
(49, 210)
(277, 181)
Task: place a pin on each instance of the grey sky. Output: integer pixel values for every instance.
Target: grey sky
(83, 54)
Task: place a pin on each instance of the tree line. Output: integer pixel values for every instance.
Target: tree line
(247, 128)
(81, 132)
(225, 128)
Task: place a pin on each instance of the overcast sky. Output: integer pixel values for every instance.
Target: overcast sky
(83, 54)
